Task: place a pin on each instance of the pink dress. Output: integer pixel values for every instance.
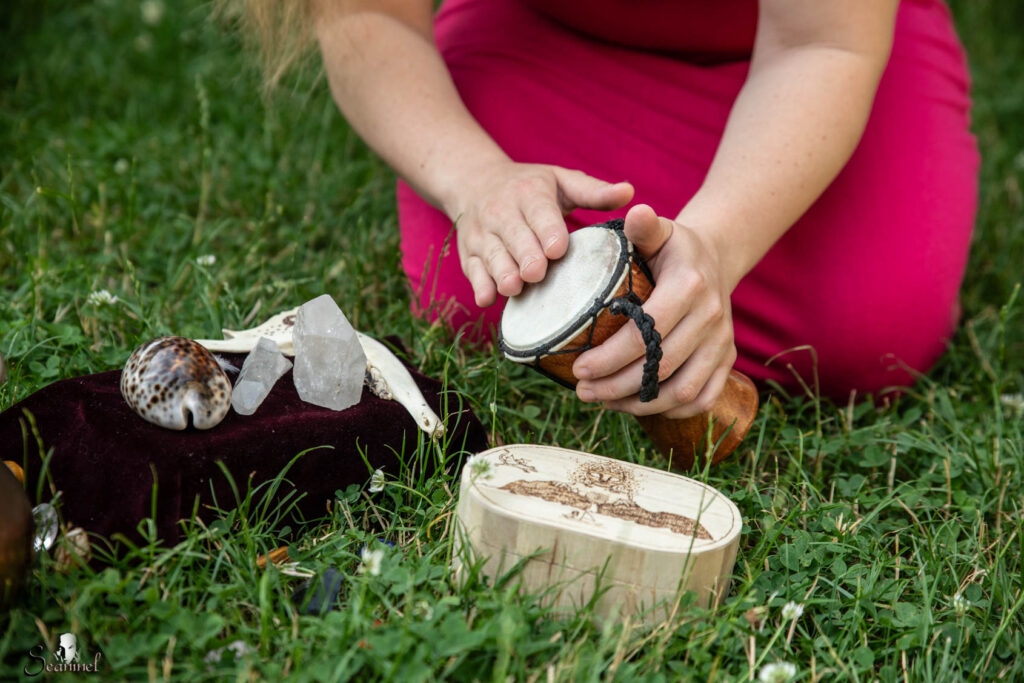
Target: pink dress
(868, 278)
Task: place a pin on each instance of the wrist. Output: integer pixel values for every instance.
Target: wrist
(728, 252)
(462, 173)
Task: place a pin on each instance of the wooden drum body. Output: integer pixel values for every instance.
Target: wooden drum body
(16, 533)
(583, 524)
(552, 322)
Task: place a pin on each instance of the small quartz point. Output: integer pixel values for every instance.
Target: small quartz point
(329, 361)
(262, 368)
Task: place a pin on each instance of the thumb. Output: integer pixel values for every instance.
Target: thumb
(577, 190)
(646, 230)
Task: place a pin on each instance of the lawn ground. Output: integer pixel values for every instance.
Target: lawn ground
(131, 145)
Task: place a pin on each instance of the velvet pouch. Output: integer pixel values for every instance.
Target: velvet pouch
(114, 469)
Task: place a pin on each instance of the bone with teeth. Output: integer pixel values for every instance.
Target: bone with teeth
(386, 377)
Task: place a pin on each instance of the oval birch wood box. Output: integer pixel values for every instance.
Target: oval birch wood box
(585, 521)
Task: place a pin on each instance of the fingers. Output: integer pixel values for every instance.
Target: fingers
(692, 390)
(488, 266)
(484, 291)
(625, 381)
(548, 225)
(708, 397)
(577, 190)
(520, 240)
(503, 268)
(516, 224)
(646, 230)
(668, 306)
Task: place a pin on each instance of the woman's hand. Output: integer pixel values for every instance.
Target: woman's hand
(690, 307)
(509, 218)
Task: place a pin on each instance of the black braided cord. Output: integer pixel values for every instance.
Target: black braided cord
(624, 305)
(630, 306)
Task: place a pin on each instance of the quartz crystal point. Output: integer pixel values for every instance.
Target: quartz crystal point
(329, 361)
(262, 368)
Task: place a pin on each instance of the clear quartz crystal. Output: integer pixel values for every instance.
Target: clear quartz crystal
(329, 361)
(262, 368)
(44, 516)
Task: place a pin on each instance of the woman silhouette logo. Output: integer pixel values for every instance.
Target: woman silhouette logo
(67, 650)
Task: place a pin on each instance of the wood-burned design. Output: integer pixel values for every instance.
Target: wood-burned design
(601, 488)
(609, 476)
(509, 459)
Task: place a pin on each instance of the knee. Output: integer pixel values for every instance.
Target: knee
(874, 348)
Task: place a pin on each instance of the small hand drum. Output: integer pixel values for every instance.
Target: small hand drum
(587, 296)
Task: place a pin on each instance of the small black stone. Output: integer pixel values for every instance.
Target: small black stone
(319, 594)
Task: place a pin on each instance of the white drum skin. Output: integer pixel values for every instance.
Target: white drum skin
(591, 270)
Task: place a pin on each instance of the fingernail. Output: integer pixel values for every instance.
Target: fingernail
(582, 373)
(527, 262)
(586, 395)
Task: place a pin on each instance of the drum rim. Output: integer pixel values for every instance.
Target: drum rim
(558, 341)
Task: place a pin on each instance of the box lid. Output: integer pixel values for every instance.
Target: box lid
(600, 497)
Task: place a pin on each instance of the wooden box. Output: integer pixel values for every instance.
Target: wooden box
(648, 533)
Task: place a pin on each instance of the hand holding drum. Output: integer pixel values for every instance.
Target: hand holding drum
(586, 296)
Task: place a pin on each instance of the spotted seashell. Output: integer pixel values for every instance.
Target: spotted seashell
(168, 379)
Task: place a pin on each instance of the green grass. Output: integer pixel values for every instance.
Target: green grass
(129, 150)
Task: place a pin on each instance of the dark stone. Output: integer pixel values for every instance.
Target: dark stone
(320, 593)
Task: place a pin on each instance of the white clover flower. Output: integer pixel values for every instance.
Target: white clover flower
(152, 12)
(143, 42)
(240, 648)
(121, 166)
(101, 297)
(792, 610)
(372, 560)
(423, 610)
(961, 605)
(206, 260)
(777, 672)
(377, 481)
(1015, 401)
(479, 467)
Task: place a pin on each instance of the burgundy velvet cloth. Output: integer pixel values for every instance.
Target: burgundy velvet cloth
(105, 456)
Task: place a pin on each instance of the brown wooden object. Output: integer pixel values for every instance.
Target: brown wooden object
(682, 441)
(15, 534)
(15, 468)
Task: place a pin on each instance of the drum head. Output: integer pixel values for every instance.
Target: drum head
(549, 313)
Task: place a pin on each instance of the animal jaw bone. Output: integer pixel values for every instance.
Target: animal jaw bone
(386, 377)
(390, 380)
(278, 329)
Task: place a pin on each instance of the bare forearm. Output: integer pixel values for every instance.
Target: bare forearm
(792, 129)
(393, 88)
